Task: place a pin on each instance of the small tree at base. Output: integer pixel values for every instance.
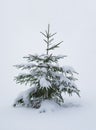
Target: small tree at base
(46, 78)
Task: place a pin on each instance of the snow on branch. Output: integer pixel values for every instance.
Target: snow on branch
(44, 83)
(69, 69)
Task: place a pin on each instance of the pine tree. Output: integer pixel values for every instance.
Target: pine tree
(46, 78)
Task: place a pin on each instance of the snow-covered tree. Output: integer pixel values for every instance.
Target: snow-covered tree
(47, 79)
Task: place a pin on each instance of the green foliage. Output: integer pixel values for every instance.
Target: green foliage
(49, 40)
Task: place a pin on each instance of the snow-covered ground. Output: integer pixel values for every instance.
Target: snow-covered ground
(20, 24)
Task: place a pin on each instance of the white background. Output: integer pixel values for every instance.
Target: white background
(20, 24)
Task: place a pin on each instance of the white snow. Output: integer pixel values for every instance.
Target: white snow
(69, 69)
(44, 70)
(75, 23)
(44, 83)
(61, 87)
(25, 95)
(49, 106)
